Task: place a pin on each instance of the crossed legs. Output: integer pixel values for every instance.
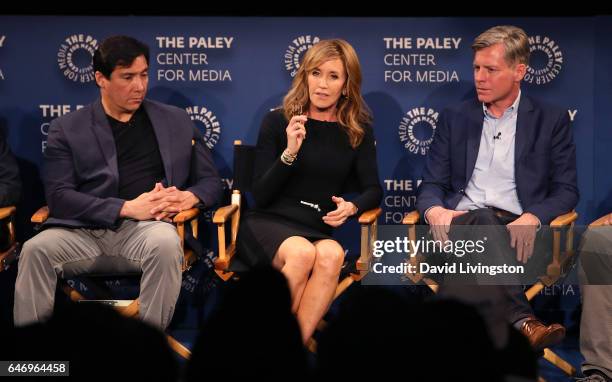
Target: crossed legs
(312, 271)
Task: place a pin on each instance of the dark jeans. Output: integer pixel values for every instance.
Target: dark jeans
(517, 306)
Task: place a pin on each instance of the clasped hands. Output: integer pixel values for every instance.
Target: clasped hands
(161, 203)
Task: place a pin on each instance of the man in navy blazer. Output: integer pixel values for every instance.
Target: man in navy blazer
(503, 158)
(544, 159)
(116, 171)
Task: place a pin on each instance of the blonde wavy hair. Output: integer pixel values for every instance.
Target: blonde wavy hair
(514, 39)
(352, 112)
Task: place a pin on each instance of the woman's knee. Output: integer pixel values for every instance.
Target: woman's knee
(329, 258)
(300, 254)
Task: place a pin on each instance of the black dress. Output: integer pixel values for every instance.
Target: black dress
(292, 200)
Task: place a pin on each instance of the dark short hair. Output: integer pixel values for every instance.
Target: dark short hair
(118, 51)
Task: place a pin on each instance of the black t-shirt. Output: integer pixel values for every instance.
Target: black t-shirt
(138, 157)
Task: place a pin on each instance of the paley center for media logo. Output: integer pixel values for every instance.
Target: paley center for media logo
(546, 60)
(75, 57)
(417, 129)
(207, 123)
(295, 50)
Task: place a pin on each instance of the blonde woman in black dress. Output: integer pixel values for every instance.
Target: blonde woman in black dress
(306, 153)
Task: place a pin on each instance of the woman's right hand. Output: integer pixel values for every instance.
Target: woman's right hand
(296, 133)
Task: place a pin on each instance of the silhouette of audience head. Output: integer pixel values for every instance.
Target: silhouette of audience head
(377, 334)
(99, 343)
(252, 333)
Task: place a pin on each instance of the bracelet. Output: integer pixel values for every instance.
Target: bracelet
(287, 158)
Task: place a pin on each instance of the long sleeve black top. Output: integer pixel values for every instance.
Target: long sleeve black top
(326, 166)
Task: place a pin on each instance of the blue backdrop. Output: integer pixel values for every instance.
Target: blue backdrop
(228, 72)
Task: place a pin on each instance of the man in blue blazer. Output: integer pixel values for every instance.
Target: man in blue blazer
(116, 171)
(503, 158)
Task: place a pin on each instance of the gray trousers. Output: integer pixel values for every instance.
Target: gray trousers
(595, 275)
(150, 247)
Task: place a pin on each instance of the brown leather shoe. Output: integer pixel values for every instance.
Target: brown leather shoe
(541, 336)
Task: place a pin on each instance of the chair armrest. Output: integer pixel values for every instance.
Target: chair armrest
(185, 216)
(5, 212)
(224, 213)
(411, 218)
(599, 222)
(41, 215)
(370, 216)
(563, 220)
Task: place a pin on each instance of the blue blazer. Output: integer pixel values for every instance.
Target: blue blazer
(81, 176)
(544, 158)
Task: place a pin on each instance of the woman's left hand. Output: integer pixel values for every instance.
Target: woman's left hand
(342, 212)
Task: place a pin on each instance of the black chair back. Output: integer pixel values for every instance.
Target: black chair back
(244, 166)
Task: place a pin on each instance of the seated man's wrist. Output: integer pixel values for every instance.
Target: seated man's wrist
(538, 223)
(427, 212)
(125, 210)
(354, 209)
(194, 201)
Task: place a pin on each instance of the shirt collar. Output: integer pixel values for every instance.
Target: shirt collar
(513, 109)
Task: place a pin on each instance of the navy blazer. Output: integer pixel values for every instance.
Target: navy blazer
(81, 176)
(544, 158)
